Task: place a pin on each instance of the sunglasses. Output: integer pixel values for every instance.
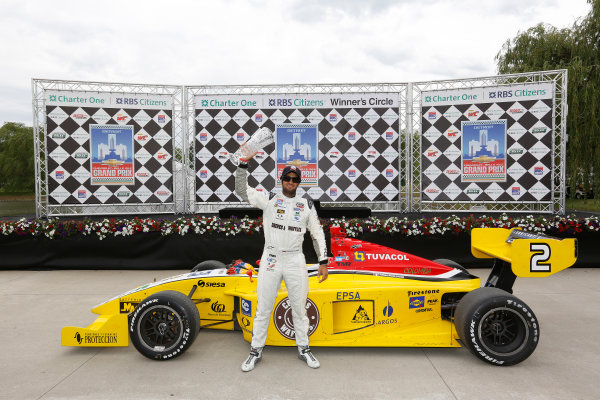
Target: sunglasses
(289, 178)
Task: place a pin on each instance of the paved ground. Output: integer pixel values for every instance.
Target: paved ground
(37, 304)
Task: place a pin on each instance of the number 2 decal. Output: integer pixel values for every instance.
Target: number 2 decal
(539, 257)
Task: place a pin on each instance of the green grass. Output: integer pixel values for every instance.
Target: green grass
(14, 204)
(583, 204)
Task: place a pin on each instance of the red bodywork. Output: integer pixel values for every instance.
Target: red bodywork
(353, 254)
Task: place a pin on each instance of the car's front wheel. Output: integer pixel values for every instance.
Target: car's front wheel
(164, 325)
(496, 326)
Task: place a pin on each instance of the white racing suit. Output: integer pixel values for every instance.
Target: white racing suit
(285, 221)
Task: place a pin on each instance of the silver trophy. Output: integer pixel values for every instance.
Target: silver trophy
(261, 139)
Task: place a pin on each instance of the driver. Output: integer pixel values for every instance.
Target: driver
(286, 217)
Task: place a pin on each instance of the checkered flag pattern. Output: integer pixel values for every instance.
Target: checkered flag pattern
(528, 152)
(69, 169)
(357, 159)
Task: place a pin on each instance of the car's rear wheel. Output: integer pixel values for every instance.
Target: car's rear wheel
(496, 326)
(209, 264)
(164, 325)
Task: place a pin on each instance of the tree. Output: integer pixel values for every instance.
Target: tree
(16, 158)
(544, 47)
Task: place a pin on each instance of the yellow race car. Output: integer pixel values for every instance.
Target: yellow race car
(374, 296)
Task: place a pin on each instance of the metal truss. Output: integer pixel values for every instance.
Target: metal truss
(44, 209)
(557, 202)
(399, 88)
(409, 143)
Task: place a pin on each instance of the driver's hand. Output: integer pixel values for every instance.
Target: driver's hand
(323, 273)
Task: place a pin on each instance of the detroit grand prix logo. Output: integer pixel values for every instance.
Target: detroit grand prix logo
(282, 317)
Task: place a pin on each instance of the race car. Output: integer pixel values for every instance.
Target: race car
(375, 296)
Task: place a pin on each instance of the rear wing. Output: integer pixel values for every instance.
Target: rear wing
(522, 254)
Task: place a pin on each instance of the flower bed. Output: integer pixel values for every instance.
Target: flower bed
(395, 226)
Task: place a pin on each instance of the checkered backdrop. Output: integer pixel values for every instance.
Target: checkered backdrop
(527, 110)
(357, 149)
(68, 147)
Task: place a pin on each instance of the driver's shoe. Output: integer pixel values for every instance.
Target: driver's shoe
(254, 357)
(306, 355)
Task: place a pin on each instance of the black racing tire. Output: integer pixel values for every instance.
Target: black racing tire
(496, 326)
(450, 263)
(209, 264)
(164, 325)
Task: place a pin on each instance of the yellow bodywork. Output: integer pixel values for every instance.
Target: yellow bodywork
(351, 308)
(529, 258)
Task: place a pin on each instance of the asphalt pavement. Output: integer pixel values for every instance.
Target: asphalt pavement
(37, 304)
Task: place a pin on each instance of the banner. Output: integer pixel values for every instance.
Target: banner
(345, 144)
(109, 148)
(489, 144)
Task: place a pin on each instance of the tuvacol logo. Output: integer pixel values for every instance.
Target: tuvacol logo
(359, 256)
(282, 316)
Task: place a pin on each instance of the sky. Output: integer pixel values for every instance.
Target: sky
(231, 42)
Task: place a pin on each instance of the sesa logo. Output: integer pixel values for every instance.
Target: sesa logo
(202, 284)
